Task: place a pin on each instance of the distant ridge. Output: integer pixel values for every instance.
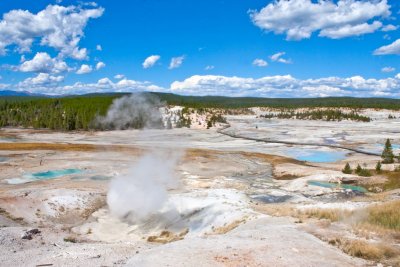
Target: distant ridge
(18, 93)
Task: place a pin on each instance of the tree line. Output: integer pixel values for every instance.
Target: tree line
(319, 114)
(79, 112)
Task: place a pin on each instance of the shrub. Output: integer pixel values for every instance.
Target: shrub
(365, 173)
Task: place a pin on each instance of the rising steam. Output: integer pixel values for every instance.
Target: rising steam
(136, 111)
(143, 192)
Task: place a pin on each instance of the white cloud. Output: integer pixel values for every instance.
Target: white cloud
(103, 85)
(287, 86)
(56, 26)
(119, 76)
(268, 86)
(390, 27)
(260, 62)
(350, 30)
(84, 69)
(388, 69)
(391, 49)
(99, 48)
(150, 61)
(42, 62)
(209, 67)
(79, 54)
(41, 80)
(100, 65)
(278, 57)
(298, 19)
(176, 62)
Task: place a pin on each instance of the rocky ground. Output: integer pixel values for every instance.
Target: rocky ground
(237, 201)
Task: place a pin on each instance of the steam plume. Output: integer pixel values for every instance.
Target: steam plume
(143, 192)
(137, 111)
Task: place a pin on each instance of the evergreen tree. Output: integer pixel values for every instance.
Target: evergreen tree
(378, 167)
(347, 169)
(387, 154)
(358, 169)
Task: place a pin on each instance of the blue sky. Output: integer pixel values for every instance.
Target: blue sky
(291, 48)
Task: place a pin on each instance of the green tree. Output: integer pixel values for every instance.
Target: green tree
(358, 169)
(387, 154)
(378, 167)
(347, 169)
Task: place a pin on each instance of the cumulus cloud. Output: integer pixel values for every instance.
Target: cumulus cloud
(41, 80)
(99, 48)
(209, 67)
(100, 65)
(47, 84)
(278, 58)
(150, 61)
(391, 49)
(56, 26)
(84, 69)
(106, 85)
(389, 27)
(350, 30)
(260, 62)
(119, 76)
(42, 62)
(79, 54)
(388, 69)
(287, 86)
(298, 19)
(268, 86)
(176, 62)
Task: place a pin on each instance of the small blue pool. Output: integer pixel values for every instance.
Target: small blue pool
(38, 176)
(334, 185)
(54, 174)
(317, 156)
(3, 159)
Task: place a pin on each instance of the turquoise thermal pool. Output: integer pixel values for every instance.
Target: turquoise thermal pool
(38, 176)
(334, 185)
(317, 156)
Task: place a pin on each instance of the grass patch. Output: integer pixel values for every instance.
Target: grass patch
(386, 215)
(368, 250)
(393, 181)
(333, 215)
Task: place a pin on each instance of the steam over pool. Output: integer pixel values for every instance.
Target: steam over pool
(143, 191)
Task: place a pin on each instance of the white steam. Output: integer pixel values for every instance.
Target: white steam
(143, 192)
(136, 111)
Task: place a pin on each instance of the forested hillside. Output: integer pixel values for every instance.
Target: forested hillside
(79, 112)
(70, 113)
